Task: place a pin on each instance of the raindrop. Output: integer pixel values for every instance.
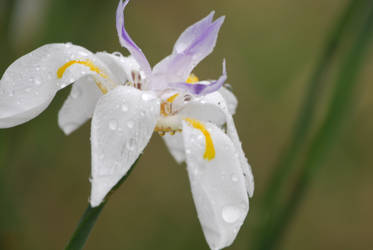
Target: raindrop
(147, 97)
(231, 214)
(37, 82)
(113, 124)
(69, 127)
(130, 124)
(195, 171)
(75, 93)
(124, 108)
(234, 178)
(188, 151)
(131, 144)
(28, 90)
(142, 113)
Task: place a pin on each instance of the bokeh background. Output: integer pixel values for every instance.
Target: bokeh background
(271, 48)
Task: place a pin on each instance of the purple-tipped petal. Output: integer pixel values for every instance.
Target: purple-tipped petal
(193, 46)
(127, 42)
(192, 33)
(201, 88)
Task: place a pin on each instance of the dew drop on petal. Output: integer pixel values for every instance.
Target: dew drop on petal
(131, 144)
(69, 127)
(124, 108)
(130, 124)
(147, 97)
(234, 178)
(113, 124)
(75, 93)
(37, 82)
(231, 214)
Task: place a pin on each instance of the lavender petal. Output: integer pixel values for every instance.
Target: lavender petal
(192, 33)
(127, 42)
(201, 88)
(193, 46)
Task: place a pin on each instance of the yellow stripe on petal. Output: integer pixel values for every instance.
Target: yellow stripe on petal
(192, 79)
(90, 65)
(209, 149)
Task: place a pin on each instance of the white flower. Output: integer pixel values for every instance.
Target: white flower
(127, 101)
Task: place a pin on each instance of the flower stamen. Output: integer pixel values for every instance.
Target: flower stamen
(209, 148)
(192, 79)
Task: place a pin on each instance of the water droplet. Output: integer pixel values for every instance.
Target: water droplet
(231, 214)
(113, 124)
(69, 127)
(131, 144)
(142, 113)
(11, 93)
(37, 82)
(234, 178)
(147, 96)
(101, 156)
(130, 124)
(188, 152)
(28, 90)
(124, 108)
(76, 93)
(195, 171)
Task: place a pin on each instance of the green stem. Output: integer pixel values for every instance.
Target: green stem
(90, 216)
(325, 138)
(85, 226)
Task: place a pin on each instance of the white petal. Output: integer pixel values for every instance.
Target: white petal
(79, 105)
(122, 124)
(218, 186)
(175, 145)
(30, 83)
(230, 99)
(213, 108)
(120, 66)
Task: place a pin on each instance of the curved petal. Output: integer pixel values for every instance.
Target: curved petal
(120, 66)
(79, 105)
(218, 186)
(187, 53)
(127, 42)
(30, 83)
(192, 33)
(122, 124)
(175, 145)
(201, 88)
(229, 98)
(213, 108)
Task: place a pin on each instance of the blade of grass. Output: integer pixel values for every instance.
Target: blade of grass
(286, 163)
(90, 216)
(307, 113)
(325, 138)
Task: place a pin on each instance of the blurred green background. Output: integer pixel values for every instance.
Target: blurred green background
(271, 48)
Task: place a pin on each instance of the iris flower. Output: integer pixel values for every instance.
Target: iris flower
(128, 100)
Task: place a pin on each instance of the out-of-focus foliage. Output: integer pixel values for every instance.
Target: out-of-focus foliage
(271, 48)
